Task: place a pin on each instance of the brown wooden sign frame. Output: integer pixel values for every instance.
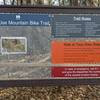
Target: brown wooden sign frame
(46, 9)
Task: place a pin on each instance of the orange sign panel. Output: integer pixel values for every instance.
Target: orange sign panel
(75, 52)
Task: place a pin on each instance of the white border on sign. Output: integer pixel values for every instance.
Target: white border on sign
(3, 53)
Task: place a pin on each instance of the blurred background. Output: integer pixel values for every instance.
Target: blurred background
(65, 3)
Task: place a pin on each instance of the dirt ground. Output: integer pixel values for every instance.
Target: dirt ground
(83, 92)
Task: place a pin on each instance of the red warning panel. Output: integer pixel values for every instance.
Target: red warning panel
(75, 52)
(76, 72)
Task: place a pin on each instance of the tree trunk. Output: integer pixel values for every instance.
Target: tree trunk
(4, 1)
